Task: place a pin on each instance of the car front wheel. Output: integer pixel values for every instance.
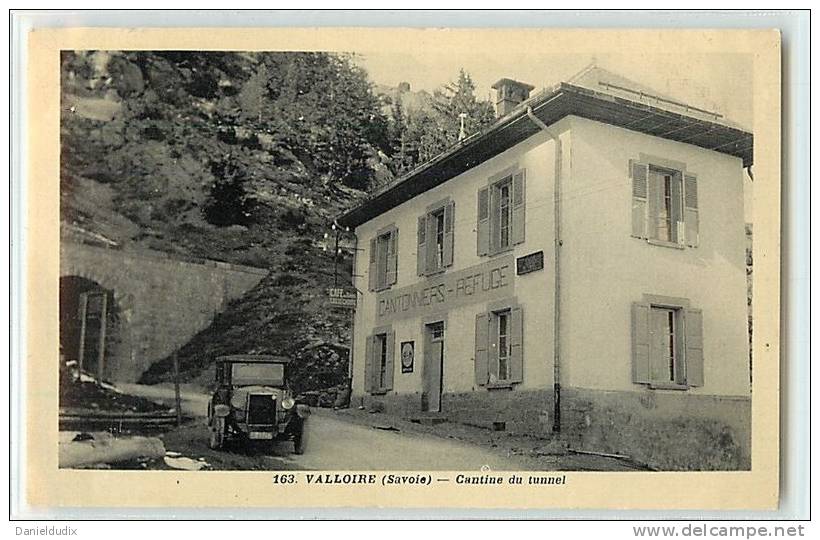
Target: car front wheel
(300, 440)
(217, 438)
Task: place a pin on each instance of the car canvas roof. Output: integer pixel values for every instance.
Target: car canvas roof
(254, 358)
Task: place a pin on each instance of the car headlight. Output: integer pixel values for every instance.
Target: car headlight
(288, 403)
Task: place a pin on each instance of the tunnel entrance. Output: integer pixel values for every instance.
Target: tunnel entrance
(92, 341)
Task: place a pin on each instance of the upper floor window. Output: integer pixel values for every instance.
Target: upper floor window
(664, 204)
(501, 219)
(436, 238)
(383, 270)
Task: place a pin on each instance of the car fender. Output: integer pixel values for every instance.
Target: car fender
(222, 410)
(302, 411)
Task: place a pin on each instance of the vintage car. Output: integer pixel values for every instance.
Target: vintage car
(252, 402)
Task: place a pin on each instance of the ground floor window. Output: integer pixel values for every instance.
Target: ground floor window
(380, 349)
(667, 348)
(499, 354)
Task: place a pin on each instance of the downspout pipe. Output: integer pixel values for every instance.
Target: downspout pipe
(556, 327)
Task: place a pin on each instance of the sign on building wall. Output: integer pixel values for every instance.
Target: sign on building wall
(342, 298)
(484, 282)
(530, 263)
(408, 354)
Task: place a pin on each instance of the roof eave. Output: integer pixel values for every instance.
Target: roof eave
(553, 104)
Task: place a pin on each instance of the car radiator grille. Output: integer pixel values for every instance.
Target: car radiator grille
(261, 409)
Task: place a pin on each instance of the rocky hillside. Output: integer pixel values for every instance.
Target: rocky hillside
(244, 158)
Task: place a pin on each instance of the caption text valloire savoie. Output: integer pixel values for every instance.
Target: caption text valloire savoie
(418, 479)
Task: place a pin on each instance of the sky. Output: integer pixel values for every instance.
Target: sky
(719, 82)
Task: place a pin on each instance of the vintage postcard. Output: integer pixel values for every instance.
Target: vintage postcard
(451, 268)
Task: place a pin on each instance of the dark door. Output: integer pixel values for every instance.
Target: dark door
(93, 318)
(433, 366)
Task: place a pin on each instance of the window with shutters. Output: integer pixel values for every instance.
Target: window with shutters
(501, 218)
(380, 349)
(436, 238)
(499, 355)
(667, 343)
(383, 272)
(664, 203)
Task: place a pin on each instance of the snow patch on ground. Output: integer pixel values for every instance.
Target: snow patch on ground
(185, 463)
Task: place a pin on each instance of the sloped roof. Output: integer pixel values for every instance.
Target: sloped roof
(596, 95)
(598, 79)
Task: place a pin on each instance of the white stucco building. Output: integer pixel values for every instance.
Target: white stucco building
(578, 267)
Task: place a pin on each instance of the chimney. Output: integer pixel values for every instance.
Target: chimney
(510, 93)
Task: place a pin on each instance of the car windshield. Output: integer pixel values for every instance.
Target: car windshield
(245, 373)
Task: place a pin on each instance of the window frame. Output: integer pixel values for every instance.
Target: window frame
(496, 209)
(677, 365)
(496, 337)
(675, 211)
(436, 218)
(504, 204)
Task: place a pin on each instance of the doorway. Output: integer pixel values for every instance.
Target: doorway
(433, 373)
(92, 338)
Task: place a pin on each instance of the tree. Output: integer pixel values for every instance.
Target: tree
(457, 98)
(426, 132)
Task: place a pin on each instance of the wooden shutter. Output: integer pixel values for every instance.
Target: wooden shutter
(482, 341)
(421, 249)
(678, 225)
(639, 174)
(640, 344)
(492, 352)
(690, 211)
(693, 337)
(392, 257)
(368, 364)
(449, 234)
(390, 343)
(432, 246)
(518, 206)
(373, 272)
(483, 224)
(516, 345)
(494, 220)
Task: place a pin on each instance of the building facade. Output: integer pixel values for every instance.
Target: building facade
(577, 268)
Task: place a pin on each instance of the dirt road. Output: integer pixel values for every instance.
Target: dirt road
(333, 444)
(339, 441)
